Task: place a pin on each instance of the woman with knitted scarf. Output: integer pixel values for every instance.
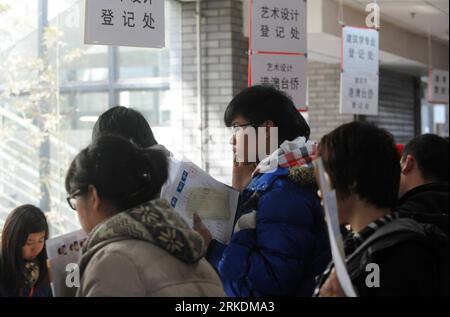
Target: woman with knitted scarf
(137, 245)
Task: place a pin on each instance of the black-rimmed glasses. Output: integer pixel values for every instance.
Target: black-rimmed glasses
(71, 200)
(235, 127)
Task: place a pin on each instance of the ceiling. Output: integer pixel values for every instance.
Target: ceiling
(429, 15)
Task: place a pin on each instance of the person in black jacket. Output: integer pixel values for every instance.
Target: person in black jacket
(386, 255)
(424, 192)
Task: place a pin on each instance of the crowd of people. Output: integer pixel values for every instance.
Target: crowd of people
(393, 208)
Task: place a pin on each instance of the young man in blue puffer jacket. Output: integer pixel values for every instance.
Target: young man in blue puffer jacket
(280, 241)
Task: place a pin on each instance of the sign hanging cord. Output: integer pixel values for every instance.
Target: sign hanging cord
(341, 13)
(430, 49)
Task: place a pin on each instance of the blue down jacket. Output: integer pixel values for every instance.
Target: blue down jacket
(287, 245)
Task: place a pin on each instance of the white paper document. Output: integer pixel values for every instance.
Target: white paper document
(63, 251)
(192, 190)
(334, 233)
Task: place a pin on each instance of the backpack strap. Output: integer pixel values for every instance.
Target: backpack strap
(393, 233)
(398, 231)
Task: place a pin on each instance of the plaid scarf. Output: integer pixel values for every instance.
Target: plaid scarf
(298, 152)
(31, 274)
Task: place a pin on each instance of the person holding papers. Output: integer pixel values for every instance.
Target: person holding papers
(386, 255)
(280, 241)
(23, 267)
(137, 245)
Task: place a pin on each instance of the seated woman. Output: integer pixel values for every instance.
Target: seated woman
(137, 245)
(280, 242)
(23, 258)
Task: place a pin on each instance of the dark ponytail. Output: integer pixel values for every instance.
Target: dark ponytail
(123, 173)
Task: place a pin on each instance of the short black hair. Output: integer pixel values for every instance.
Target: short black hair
(124, 174)
(262, 103)
(362, 159)
(431, 153)
(126, 122)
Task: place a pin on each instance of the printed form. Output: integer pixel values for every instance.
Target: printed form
(191, 190)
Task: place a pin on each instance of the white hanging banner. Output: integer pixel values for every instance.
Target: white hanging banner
(438, 86)
(278, 26)
(287, 73)
(360, 49)
(359, 93)
(360, 71)
(125, 23)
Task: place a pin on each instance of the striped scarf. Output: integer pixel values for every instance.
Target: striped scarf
(353, 242)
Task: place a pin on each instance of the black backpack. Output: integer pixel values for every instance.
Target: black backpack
(401, 230)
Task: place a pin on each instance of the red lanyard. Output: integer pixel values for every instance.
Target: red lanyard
(30, 293)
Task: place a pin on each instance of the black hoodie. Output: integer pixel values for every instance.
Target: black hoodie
(427, 204)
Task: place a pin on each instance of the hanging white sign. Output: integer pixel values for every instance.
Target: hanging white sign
(438, 86)
(360, 71)
(360, 49)
(287, 73)
(359, 93)
(125, 23)
(278, 26)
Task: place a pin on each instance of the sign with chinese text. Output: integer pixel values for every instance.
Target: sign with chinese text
(360, 71)
(438, 86)
(359, 93)
(278, 26)
(287, 73)
(125, 23)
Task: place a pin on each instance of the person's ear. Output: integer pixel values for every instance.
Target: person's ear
(94, 198)
(408, 164)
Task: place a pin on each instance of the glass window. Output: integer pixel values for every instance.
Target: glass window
(53, 88)
(143, 63)
(89, 64)
(434, 117)
(76, 62)
(81, 110)
(150, 104)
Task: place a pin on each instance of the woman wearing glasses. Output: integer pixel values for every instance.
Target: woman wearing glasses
(137, 245)
(280, 242)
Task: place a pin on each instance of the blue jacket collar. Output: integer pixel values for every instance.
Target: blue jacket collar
(263, 181)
